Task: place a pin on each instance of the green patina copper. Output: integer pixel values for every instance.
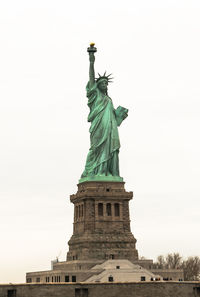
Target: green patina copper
(102, 162)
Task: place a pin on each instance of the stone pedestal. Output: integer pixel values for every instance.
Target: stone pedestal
(101, 223)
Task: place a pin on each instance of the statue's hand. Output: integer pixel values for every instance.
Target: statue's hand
(91, 50)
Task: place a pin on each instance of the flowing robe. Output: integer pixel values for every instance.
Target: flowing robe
(102, 158)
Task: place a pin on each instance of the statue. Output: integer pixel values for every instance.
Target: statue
(102, 162)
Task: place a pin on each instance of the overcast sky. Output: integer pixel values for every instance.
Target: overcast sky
(153, 50)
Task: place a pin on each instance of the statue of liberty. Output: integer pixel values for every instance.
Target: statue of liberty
(102, 162)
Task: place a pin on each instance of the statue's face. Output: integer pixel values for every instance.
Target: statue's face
(103, 85)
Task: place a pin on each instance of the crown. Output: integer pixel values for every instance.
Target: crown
(104, 76)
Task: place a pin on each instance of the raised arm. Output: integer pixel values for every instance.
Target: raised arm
(91, 50)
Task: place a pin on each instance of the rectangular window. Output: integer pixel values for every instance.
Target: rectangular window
(12, 293)
(75, 257)
(37, 279)
(78, 293)
(73, 278)
(110, 279)
(143, 278)
(100, 209)
(108, 209)
(117, 209)
(29, 280)
(66, 278)
(81, 292)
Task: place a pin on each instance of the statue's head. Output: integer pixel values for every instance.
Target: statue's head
(102, 85)
(102, 82)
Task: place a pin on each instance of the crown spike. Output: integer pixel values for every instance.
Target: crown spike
(104, 76)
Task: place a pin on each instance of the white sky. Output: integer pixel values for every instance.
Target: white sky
(153, 50)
